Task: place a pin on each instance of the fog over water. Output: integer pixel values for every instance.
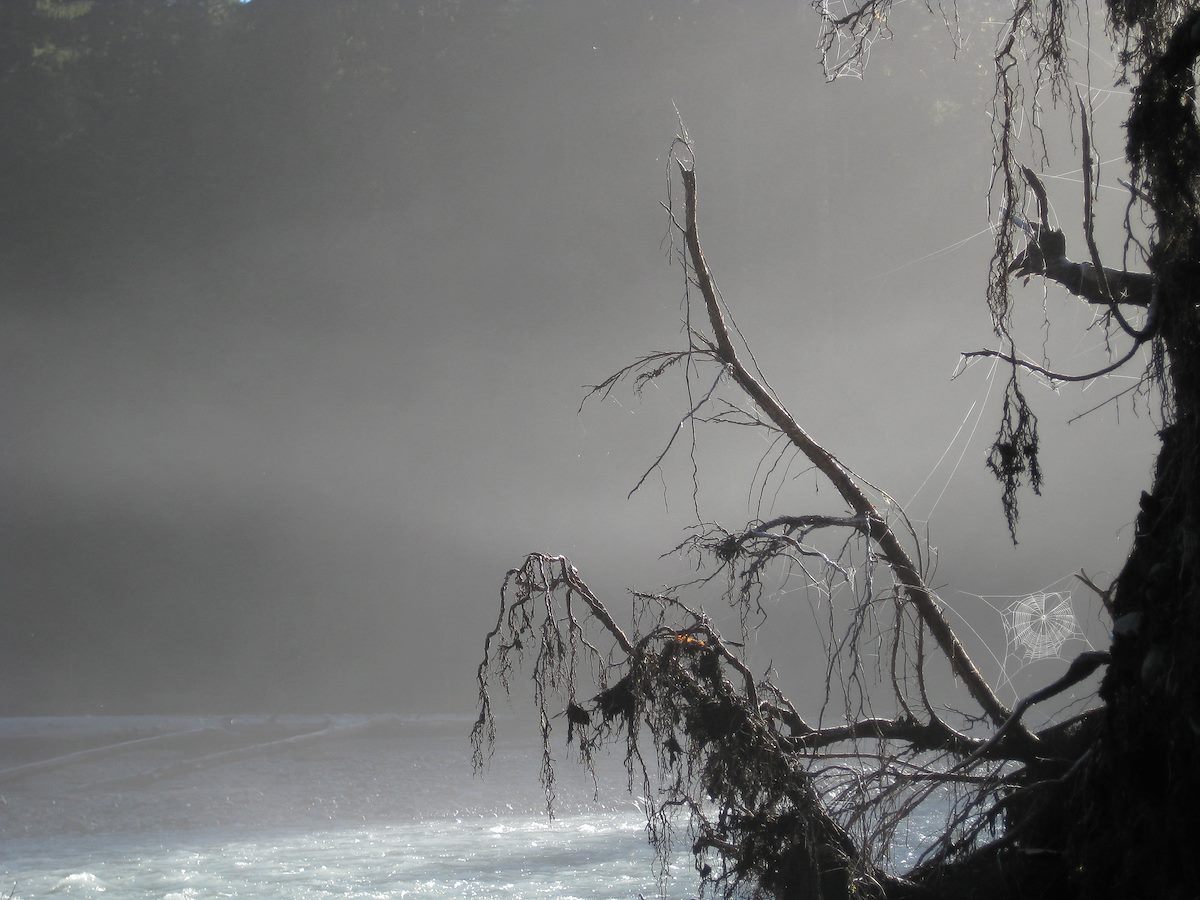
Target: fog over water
(291, 346)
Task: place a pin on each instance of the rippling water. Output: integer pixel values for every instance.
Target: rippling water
(388, 813)
(580, 856)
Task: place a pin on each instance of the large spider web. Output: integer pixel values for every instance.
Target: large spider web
(1037, 625)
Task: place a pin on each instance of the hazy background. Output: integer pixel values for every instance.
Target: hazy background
(298, 300)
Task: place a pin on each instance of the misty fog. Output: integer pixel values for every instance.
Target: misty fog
(297, 309)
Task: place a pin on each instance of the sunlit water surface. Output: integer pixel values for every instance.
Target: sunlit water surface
(386, 814)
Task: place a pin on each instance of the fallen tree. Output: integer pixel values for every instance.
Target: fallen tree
(776, 799)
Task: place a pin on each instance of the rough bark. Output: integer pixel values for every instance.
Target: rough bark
(1134, 834)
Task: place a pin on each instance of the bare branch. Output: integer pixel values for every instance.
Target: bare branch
(845, 41)
(1053, 376)
(1081, 667)
(1046, 255)
(919, 735)
(1105, 595)
(906, 571)
(1114, 308)
(674, 434)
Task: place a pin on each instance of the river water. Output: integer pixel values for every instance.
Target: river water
(385, 808)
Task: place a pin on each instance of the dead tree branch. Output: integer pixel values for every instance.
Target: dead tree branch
(802, 807)
(892, 550)
(1046, 255)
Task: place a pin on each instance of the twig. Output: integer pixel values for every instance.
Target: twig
(1053, 376)
(906, 571)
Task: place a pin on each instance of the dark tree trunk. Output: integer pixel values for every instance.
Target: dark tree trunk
(1121, 822)
(1136, 833)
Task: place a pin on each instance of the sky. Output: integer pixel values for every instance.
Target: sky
(275, 448)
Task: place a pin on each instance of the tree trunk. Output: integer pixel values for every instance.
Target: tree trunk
(1136, 833)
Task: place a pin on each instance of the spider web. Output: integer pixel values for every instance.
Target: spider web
(847, 46)
(1036, 626)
